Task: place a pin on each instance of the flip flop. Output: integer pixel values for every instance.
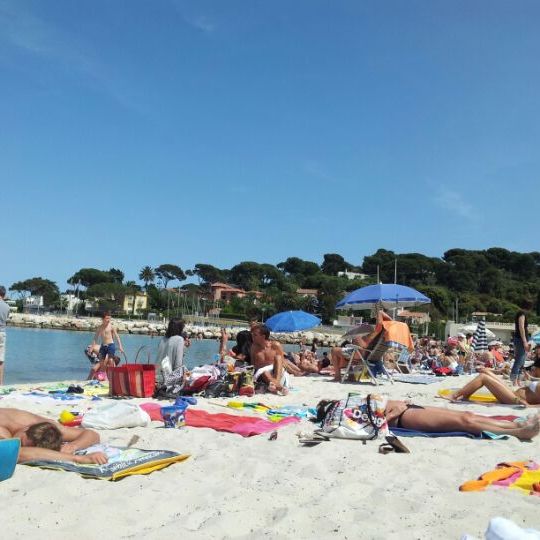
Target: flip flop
(393, 444)
(314, 439)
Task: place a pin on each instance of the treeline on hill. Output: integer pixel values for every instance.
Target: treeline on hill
(495, 280)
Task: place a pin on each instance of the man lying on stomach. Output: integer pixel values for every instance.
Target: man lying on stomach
(45, 439)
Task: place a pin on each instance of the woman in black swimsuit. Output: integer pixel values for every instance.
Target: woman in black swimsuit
(432, 419)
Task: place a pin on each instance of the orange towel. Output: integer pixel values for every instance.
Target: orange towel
(398, 332)
(527, 481)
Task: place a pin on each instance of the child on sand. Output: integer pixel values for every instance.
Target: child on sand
(107, 334)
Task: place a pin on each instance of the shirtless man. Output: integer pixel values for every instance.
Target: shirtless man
(268, 359)
(107, 333)
(42, 438)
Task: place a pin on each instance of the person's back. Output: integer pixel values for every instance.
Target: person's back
(172, 347)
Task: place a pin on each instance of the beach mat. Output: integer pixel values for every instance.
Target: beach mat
(401, 432)
(521, 475)
(247, 426)
(122, 462)
(416, 379)
(478, 397)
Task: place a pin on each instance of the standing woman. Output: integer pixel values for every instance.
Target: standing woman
(521, 341)
(171, 346)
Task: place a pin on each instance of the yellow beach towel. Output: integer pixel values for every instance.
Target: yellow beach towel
(521, 475)
(480, 397)
(122, 462)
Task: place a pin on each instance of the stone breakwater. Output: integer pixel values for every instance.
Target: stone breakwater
(90, 324)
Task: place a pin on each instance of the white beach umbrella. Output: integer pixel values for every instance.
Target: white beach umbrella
(471, 329)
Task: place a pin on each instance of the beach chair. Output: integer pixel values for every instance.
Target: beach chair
(370, 360)
(9, 453)
(403, 362)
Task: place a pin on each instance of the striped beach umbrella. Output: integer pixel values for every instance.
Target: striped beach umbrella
(479, 339)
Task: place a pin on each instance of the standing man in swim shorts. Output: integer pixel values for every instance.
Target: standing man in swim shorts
(107, 333)
(4, 314)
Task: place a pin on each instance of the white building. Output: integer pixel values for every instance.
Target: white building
(33, 304)
(352, 275)
(70, 302)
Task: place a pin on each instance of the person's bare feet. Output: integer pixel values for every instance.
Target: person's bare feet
(277, 389)
(528, 429)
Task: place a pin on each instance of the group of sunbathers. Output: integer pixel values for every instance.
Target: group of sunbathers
(42, 438)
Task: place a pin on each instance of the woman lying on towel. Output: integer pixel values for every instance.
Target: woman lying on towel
(526, 395)
(435, 420)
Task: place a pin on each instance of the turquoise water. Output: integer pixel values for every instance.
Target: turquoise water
(36, 355)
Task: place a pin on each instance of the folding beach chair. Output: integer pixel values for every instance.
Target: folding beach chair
(403, 362)
(370, 360)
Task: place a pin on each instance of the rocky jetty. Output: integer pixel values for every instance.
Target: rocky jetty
(89, 324)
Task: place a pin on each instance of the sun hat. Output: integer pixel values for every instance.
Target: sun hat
(461, 335)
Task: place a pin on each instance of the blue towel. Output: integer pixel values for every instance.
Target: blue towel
(401, 432)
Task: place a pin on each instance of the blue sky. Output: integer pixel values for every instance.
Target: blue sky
(138, 133)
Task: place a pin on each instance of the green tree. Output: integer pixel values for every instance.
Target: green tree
(147, 275)
(38, 286)
(207, 274)
(334, 263)
(90, 276)
(169, 272)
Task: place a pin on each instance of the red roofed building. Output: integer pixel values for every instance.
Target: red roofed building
(223, 292)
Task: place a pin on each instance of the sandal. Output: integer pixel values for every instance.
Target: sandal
(393, 444)
(314, 439)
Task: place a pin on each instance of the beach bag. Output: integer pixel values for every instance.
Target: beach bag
(137, 380)
(118, 380)
(357, 417)
(142, 379)
(115, 415)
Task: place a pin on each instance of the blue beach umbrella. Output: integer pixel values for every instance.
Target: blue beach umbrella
(536, 338)
(386, 295)
(292, 321)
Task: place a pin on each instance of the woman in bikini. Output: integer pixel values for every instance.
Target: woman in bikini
(528, 395)
(433, 419)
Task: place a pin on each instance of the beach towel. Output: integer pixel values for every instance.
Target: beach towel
(521, 475)
(416, 379)
(479, 397)
(267, 369)
(397, 332)
(247, 426)
(122, 462)
(402, 432)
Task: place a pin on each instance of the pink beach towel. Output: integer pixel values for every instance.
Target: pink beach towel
(242, 425)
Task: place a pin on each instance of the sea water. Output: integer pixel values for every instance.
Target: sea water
(38, 355)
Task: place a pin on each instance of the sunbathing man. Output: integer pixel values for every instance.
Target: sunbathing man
(268, 359)
(526, 395)
(42, 438)
(433, 419)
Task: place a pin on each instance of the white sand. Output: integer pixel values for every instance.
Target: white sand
(234, 487)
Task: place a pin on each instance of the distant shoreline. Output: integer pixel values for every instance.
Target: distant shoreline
(63, 322)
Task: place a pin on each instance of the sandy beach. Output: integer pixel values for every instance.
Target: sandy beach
(235, 487)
